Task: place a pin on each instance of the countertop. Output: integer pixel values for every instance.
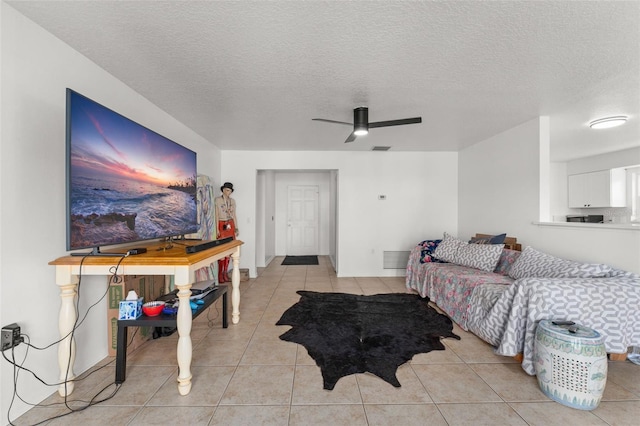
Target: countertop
(609, 225)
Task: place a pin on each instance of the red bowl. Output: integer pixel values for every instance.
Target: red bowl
(152, 309)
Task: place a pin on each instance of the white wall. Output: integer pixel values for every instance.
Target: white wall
(261, 189)
(270, 217)
(500, 192)
(333, 219)
(499, 184)
(265, 234)
(36, 69)
(559, 205)
(421, 190)
(611, 160)
(4, 369)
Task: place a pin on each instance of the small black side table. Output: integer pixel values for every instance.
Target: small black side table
(161, 320)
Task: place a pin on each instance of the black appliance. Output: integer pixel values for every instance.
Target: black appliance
(576, 218)
(595, 218)
(592, 218)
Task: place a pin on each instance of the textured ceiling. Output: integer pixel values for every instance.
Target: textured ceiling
(251, 75)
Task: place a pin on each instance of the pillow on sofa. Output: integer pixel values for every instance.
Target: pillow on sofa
(479, 256)
(507, 259)
(447, 250)
(492, 239)
(534, 263)
(427, 247)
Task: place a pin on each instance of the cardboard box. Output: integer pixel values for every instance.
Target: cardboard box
(148, 287)
(244, 274)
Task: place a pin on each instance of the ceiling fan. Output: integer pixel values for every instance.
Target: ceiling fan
(361, 123)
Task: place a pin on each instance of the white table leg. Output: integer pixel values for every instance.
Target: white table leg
(185, 348)
(235, 286)
(67, 347)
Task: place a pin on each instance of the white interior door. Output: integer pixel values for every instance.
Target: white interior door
(302, 220)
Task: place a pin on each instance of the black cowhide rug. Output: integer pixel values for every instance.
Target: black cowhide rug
(347, 333)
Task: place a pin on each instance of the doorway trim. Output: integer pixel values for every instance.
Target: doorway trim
(271, 229)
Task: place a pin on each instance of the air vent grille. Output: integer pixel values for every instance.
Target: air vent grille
(381, 148)
(395, 259)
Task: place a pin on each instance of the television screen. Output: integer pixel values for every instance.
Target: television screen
(125, 183)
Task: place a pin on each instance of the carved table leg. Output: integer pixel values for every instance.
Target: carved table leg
(235, 287)
(67, 347)
(185, 349)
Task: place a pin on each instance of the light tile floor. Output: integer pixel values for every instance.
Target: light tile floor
(245, 375)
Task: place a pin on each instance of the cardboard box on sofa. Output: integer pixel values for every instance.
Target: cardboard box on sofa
(149, 287)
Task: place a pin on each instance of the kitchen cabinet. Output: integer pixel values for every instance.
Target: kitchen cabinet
(605, 188)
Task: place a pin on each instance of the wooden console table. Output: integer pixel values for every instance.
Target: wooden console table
(158, 260)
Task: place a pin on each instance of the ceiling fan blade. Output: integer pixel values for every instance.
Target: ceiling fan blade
(332, 121)
(400, 122)
(352, 137)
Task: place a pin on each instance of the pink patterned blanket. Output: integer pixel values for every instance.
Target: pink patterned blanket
(449, 285)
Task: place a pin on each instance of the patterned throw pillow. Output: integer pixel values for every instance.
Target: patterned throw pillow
(534, 263)
(427, 249)
(480, 256)
(447, 250)
(507, 259)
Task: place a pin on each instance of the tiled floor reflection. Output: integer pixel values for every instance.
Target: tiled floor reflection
(245, 375)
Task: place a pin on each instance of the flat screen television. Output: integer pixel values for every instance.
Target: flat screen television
(125, 183)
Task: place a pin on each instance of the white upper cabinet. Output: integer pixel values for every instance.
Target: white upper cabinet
(605, 188)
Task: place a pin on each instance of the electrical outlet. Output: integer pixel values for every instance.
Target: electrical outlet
(10, 336)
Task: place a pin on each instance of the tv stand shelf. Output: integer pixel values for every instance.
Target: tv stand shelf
(161, 320)
(158, 260)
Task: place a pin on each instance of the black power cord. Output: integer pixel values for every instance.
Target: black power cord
(115, 278)
(16, 371)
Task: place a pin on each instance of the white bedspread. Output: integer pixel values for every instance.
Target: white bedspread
(507, 316)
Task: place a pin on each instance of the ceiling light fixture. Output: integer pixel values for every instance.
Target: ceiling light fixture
(607, 122)
(360, 121)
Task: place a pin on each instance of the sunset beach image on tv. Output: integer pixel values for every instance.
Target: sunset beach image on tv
(125, 183)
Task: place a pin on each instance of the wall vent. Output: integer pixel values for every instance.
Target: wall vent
(395, 259)
(381, 148)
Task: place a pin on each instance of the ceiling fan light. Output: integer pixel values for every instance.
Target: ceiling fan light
(361, 121)
(608, 122)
